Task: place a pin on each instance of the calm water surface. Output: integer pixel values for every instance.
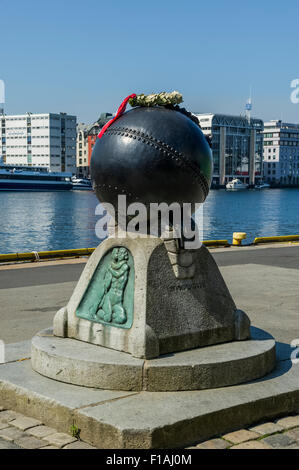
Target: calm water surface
(60, 220)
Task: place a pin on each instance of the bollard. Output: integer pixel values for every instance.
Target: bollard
(238, 237)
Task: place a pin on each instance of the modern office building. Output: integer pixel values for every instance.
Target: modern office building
(41, 140)
(237, 146)
(281, 153)
(86, 138)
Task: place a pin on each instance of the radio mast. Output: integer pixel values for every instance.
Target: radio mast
(2, 96)
(248, 108)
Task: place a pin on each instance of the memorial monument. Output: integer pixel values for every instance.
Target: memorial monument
(150, 312)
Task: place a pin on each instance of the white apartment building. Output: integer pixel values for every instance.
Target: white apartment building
(281, 153)
(82, 159)
(42, 140)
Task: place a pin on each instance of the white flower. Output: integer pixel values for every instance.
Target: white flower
(160, 99)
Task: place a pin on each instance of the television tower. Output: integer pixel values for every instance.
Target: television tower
(2, 96)
(248, 108)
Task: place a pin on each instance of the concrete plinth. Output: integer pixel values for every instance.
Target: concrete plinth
(149, 297)
(147, 420)
(80, 363)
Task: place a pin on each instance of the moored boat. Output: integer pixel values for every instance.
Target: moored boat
(236, 184)
(81, 184)
(263, 185)
(33, 179)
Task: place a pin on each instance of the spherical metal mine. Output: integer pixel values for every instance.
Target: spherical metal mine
(152, 155)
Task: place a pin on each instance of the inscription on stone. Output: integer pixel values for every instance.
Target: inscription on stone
(197, 285)
(181, 286)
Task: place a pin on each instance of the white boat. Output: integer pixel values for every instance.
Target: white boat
(33, 179)
(263, 186)
(236, 184)
(81, 183)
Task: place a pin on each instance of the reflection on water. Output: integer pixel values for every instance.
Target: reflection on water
(60, 220)
(258, 213)
(47, 220)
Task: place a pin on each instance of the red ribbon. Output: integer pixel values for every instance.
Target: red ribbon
(120, 111)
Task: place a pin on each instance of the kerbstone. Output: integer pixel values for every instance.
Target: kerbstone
(182, 418)
(127, 420)
(24, 423)
(240, 436)
(47, 400)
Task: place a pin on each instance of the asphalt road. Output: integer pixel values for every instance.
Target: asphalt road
(25, 276)
(280, 256)
(263, 281)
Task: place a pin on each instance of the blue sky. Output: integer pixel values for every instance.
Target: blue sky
(85, 57)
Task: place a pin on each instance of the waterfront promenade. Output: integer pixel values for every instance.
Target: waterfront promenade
(262, 279)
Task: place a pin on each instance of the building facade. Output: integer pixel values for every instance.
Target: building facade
(86, 139)
(281, 153)
(82, 161)
(237, 146)
(39, 140)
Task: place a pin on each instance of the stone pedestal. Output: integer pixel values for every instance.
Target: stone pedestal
(147, 315)
(148, 297)
(80, 363)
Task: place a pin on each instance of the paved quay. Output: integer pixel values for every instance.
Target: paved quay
(263, 281)
(22, 432)
(18, 431)
(282, 433)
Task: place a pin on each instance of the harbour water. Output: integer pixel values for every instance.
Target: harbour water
(37, 221)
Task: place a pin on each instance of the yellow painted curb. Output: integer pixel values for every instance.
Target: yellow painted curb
(283, 238)
(215, 243)
(37, 255)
